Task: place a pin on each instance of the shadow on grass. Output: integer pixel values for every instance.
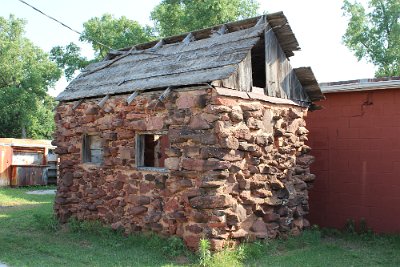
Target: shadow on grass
(31, 236)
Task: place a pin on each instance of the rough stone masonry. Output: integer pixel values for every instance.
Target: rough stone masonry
(237, 169)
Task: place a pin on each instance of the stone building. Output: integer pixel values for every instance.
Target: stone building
(200, 134)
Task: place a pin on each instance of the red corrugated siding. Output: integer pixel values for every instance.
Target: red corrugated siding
(356, 141)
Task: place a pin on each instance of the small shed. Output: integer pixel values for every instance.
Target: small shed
(355, 140)
(26, 162)
(199, 134)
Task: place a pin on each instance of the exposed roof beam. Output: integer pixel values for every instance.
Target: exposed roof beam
(76, 105)
(165, 94)
(157, 46)
(262, 20)
(222, 30)
(189, 38)
(132, 97)
(103, 101)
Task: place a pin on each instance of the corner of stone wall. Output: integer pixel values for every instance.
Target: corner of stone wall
(257, 185)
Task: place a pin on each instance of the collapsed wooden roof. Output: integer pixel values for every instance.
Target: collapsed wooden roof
(193, 58)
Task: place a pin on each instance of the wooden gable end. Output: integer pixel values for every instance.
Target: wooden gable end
(241, 79)
(266, 68)
(281, 80)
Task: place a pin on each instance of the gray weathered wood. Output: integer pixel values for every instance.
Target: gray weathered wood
(76, 105)
(309, 83)
(168, 62)
(85, 148)
(132, 97)
(217, 43)
(134, 63)
(189, 38)
(281, 80)
(139, 155)
(261, 21)
(270, 63)
(118, 73)
(285, 35)
(165, 94)
(179, 79)
(157, 46)
(223, 29)
(241, 79)
(96, 149)
(103, 101)
(251, 95)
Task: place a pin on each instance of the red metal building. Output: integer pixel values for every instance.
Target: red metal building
(356, 142)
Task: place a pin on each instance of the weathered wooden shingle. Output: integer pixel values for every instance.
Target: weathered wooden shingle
(179, 60)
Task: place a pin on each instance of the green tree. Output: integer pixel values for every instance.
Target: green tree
(69, 59)
(102, 33)
(374, 34)
(178, 16)
(26, 72)
(114, 33)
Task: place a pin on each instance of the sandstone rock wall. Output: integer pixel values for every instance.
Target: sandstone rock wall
(237, 169)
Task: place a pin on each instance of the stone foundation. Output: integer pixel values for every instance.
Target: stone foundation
(237, 169)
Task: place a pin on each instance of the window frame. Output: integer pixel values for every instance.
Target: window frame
(86, 154)
(140, 149)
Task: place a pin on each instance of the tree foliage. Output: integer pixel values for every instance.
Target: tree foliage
(25, 74)
(69, 59)
(102, 33)
(178, 16)
(114, 32)
(374, 34)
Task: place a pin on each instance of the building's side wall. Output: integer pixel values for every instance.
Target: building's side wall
(238, 168)
(356, 142)
(5, 165)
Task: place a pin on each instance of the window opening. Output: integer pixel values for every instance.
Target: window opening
(150, 150)
(258, 64)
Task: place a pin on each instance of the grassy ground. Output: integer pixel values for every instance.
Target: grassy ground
(29, 236)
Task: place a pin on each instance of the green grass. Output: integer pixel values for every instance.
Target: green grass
(30, 236)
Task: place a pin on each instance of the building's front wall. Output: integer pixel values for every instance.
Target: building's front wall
(355, 139)
(237, 169)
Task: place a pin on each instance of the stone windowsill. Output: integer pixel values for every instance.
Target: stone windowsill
(153, 169)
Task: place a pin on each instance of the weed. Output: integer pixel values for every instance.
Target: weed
(204, 252)
(227, 258)
(364, 229)
(350, 226)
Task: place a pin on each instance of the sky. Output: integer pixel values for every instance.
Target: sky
(317, 24)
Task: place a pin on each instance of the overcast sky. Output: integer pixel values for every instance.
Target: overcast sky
(317, 24)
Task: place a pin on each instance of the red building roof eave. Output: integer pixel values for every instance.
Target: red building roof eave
(361, 85)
